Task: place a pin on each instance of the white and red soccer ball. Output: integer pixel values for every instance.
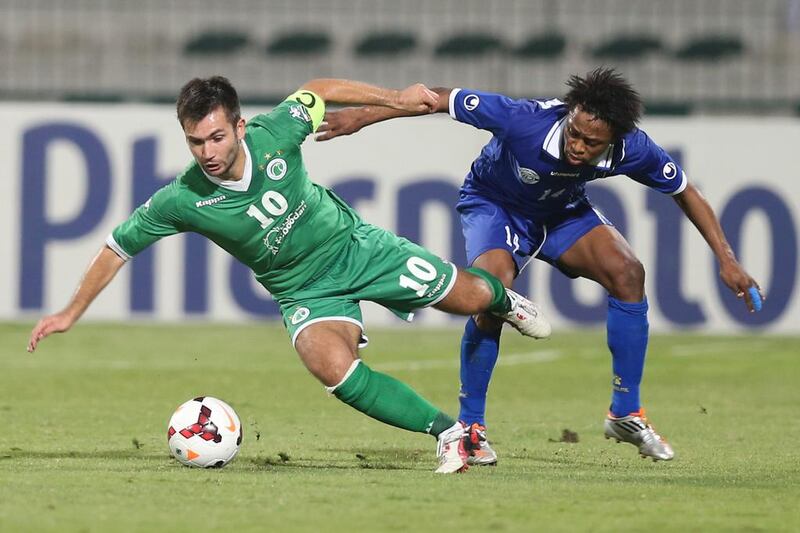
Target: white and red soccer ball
(204, 432)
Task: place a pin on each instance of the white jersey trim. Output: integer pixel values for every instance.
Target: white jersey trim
(324, 319)
(682, 187)
(116, 248)
(601, 216)
(603, 162)
(446, 290)
(554, 140)
(240, 185)
(452, 103)
(347, 374)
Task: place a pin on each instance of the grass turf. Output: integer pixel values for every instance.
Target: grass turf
(83, 446)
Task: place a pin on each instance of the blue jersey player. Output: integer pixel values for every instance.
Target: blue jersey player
(525, 196)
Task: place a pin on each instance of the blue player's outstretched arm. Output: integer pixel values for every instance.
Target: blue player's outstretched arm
(698, 210)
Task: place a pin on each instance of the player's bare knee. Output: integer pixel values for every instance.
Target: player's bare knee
(329, 368)
(627, 279)
(499, 264)
(507, 277)
(326, 356)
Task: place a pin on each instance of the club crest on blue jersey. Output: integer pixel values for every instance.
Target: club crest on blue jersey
(528, 175)
(471, 102)
(670, 170)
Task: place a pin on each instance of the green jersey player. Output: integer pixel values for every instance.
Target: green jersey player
(248, 191)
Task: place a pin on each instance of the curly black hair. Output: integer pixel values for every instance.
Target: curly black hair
(200, 96)
(608, 96)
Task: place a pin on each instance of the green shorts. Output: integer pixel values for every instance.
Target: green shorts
(378, 266)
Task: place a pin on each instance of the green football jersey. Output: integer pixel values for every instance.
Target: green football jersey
(274, 220)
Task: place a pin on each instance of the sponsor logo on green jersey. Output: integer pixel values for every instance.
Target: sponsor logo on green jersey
(276, 235)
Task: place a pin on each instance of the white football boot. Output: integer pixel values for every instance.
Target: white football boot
(451, 450)
(480, 453)
(526, 317)
(636, 430)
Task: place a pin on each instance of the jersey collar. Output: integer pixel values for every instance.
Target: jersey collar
(239, 185)
(554, 140)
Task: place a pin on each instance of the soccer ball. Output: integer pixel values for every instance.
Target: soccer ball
(204, 432)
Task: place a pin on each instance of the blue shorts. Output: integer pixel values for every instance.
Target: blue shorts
(488, 226)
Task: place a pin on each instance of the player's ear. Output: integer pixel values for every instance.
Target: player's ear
(239, 129)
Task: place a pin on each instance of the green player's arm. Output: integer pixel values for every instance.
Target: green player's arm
(700, 212)
(416, 99)
(352, 119)
(101, 271)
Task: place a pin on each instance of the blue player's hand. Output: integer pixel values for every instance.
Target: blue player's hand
(744, 286)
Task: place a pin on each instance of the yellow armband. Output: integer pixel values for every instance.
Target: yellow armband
(312, 110)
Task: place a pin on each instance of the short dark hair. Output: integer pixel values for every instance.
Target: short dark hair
(608, 96)
(200, 96)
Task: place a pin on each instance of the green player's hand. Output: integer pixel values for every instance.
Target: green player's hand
(417, 99)
(57, 323)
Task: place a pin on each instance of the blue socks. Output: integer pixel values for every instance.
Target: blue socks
(627, 329)
(479, 351)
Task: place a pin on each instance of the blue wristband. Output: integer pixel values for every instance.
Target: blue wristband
(756, 298)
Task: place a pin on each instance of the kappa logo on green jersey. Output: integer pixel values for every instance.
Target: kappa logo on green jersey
(301, 314)
(276, 169)
(210, 201)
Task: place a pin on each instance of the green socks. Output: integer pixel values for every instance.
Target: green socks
(500, 302)
(386, 399)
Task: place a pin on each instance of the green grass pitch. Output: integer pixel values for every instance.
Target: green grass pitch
(83, 440)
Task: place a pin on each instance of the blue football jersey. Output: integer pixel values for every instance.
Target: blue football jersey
(521, 167)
